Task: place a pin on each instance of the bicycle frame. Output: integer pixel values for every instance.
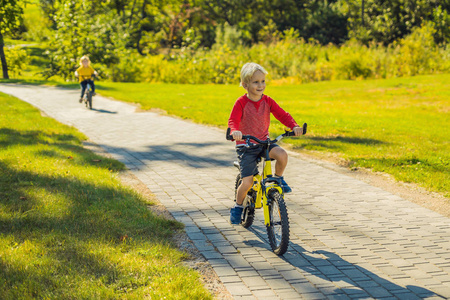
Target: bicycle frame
(263, 184)
(87, 97)
(88, 88)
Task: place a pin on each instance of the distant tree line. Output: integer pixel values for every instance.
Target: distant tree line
(177, 23)
(108, 30)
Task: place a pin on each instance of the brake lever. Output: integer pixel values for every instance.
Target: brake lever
(247, 143)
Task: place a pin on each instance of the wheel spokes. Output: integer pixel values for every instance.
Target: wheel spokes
(276, 222)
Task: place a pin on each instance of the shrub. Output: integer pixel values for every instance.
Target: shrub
(128, 69)
(290, 59)
(16, 59)
(352, 61)
(417, 53)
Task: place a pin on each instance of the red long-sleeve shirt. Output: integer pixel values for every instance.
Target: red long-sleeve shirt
(253, 118)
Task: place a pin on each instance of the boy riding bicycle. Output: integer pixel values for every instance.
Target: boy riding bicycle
(251, 116)
(85, 73)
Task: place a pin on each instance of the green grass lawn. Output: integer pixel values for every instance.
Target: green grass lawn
(69, 229)
(398, 126)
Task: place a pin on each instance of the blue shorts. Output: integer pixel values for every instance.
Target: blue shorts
(248, 158)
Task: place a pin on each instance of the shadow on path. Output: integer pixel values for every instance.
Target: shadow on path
(203, 156)
(104, 111)
(344, 277)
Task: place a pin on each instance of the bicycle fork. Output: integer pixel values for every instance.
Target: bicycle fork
(268, 183)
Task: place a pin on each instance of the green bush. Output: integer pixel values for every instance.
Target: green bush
(290, 59)
(352, 61)
(127, 69)
(417, 53)
(16, 59)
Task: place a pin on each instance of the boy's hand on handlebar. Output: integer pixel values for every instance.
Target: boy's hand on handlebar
(298, 130)
(237, 135)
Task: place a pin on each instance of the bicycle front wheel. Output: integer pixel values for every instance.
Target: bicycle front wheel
(89, 99)
(278, 230)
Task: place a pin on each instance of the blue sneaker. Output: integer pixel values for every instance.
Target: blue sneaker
(235, 215)
(285, 186)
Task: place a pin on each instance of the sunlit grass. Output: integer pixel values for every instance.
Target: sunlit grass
(398, 126)
(69, 229)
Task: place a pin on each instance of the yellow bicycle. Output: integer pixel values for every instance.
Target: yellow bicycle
(267, 193)
(87, 97)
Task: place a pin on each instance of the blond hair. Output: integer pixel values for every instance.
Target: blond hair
(84, 57)
(248, 70)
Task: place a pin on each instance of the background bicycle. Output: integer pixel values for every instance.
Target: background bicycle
(88, 93)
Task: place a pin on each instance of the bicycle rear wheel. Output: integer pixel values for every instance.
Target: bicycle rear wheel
(278, 231)
(248, 214)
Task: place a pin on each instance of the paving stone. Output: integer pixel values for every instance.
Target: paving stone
(305, 288)
(238, 289)
(254, 282)
(291, 275)
(265, 294)
(287, 294)
(377, 292)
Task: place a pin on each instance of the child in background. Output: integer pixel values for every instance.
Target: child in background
(84, 73)
(251, 116)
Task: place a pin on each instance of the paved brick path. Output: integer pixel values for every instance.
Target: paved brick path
(349, 240)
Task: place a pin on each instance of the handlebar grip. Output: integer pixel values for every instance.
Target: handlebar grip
(229, 136)
(289, 133)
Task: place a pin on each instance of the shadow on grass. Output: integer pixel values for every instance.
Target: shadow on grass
(90, 210)
(437, 166)
(11, 137)
(336, 143)
(85, 216)
(38, 56)
(348, 140)
(72, 85)
(101, 87)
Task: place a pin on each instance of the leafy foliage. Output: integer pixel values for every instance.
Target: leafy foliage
(101, 38)
(291, 59)
(16, 58)
(10, 21)
(387, 21)
(10, 16)
(125, 39)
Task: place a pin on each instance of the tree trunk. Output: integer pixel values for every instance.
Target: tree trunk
(3, 58)
(362, 12)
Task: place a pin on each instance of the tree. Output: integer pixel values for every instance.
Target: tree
(10, 19)
(97, 33)
(386, 21)
(325, 23)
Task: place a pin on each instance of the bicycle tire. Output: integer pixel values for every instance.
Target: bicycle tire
(248, 215)
(89, 99)
(278, 230)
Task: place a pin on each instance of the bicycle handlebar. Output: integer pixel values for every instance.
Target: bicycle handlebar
(91, 78)
(247, 137)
